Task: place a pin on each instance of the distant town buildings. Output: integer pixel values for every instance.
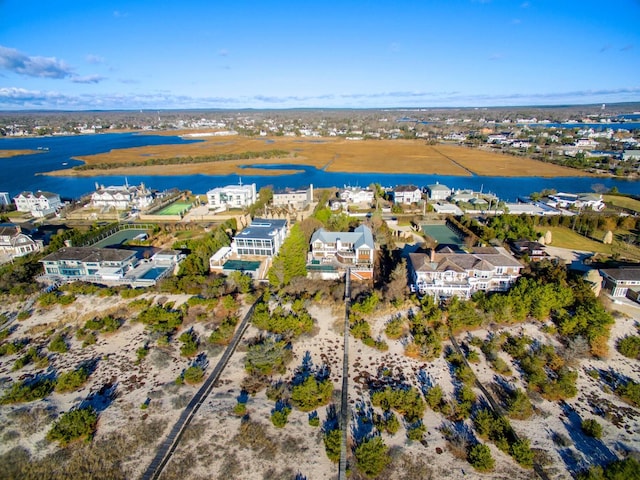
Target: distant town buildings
(232, 196)
(39, 204)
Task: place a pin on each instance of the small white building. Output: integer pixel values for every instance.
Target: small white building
(232, 196)
(39, 204)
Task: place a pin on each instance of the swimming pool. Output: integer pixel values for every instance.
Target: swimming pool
(154, 273)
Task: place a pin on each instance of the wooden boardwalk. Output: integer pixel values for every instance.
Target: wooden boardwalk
(170, 443)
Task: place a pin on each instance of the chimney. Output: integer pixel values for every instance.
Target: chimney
(432, 255)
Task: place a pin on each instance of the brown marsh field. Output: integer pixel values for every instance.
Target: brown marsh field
(331, 154)
(15, 153)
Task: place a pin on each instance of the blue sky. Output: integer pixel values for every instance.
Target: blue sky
(249, 54)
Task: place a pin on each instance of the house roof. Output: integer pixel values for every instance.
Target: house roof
(360, 237)
(438, 186)
(262, 228)
(460, 262)
(625, 273)
(90, 254)
(405, 188)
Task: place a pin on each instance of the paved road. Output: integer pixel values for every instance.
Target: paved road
(170, 443)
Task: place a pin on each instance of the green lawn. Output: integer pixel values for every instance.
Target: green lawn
(566, 238)
(624, 202)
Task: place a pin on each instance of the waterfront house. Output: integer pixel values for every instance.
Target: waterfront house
(444, 273)
(39, 204)
(262, 238)
(340, 250)
(357, 195)
(407, 194)
(290, 198)
(232, 196)
(89, 264)
(122, 197)
(438, 191)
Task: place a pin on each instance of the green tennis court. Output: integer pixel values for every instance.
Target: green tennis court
(174, 209)
(442, 234)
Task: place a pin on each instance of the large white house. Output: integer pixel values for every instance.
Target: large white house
(39, 204)
(407, 194)
(344, 249)
(437, 191)
(263, 238)
(122, 197)
(14, 243)
(357, 195)
(289, 197)
(232, 196)
(446, 273)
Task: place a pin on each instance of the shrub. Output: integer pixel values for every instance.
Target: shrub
(332, 440)
(314, 419)
(627, 469)
(141, 353)
(267, 357)
(592, 428)
(23, 315)
(280, 417)
(73, 380)
(193, 375)
(240, 409)
(74, 424)
(630, 392)
(395, 328)
(58, 344)
(629, 346)
(28, 391)
(160, 319)
(519, 406)
(407, 402)
(311, 393)
(11, 348)
(521, 453)
(372, 456)
(189, 344)
(416, 431)
(480, 458)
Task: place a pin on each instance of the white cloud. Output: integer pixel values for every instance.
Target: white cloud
(33, 66)
(94, 59)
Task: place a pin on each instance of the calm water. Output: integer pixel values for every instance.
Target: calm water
(19, 173)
